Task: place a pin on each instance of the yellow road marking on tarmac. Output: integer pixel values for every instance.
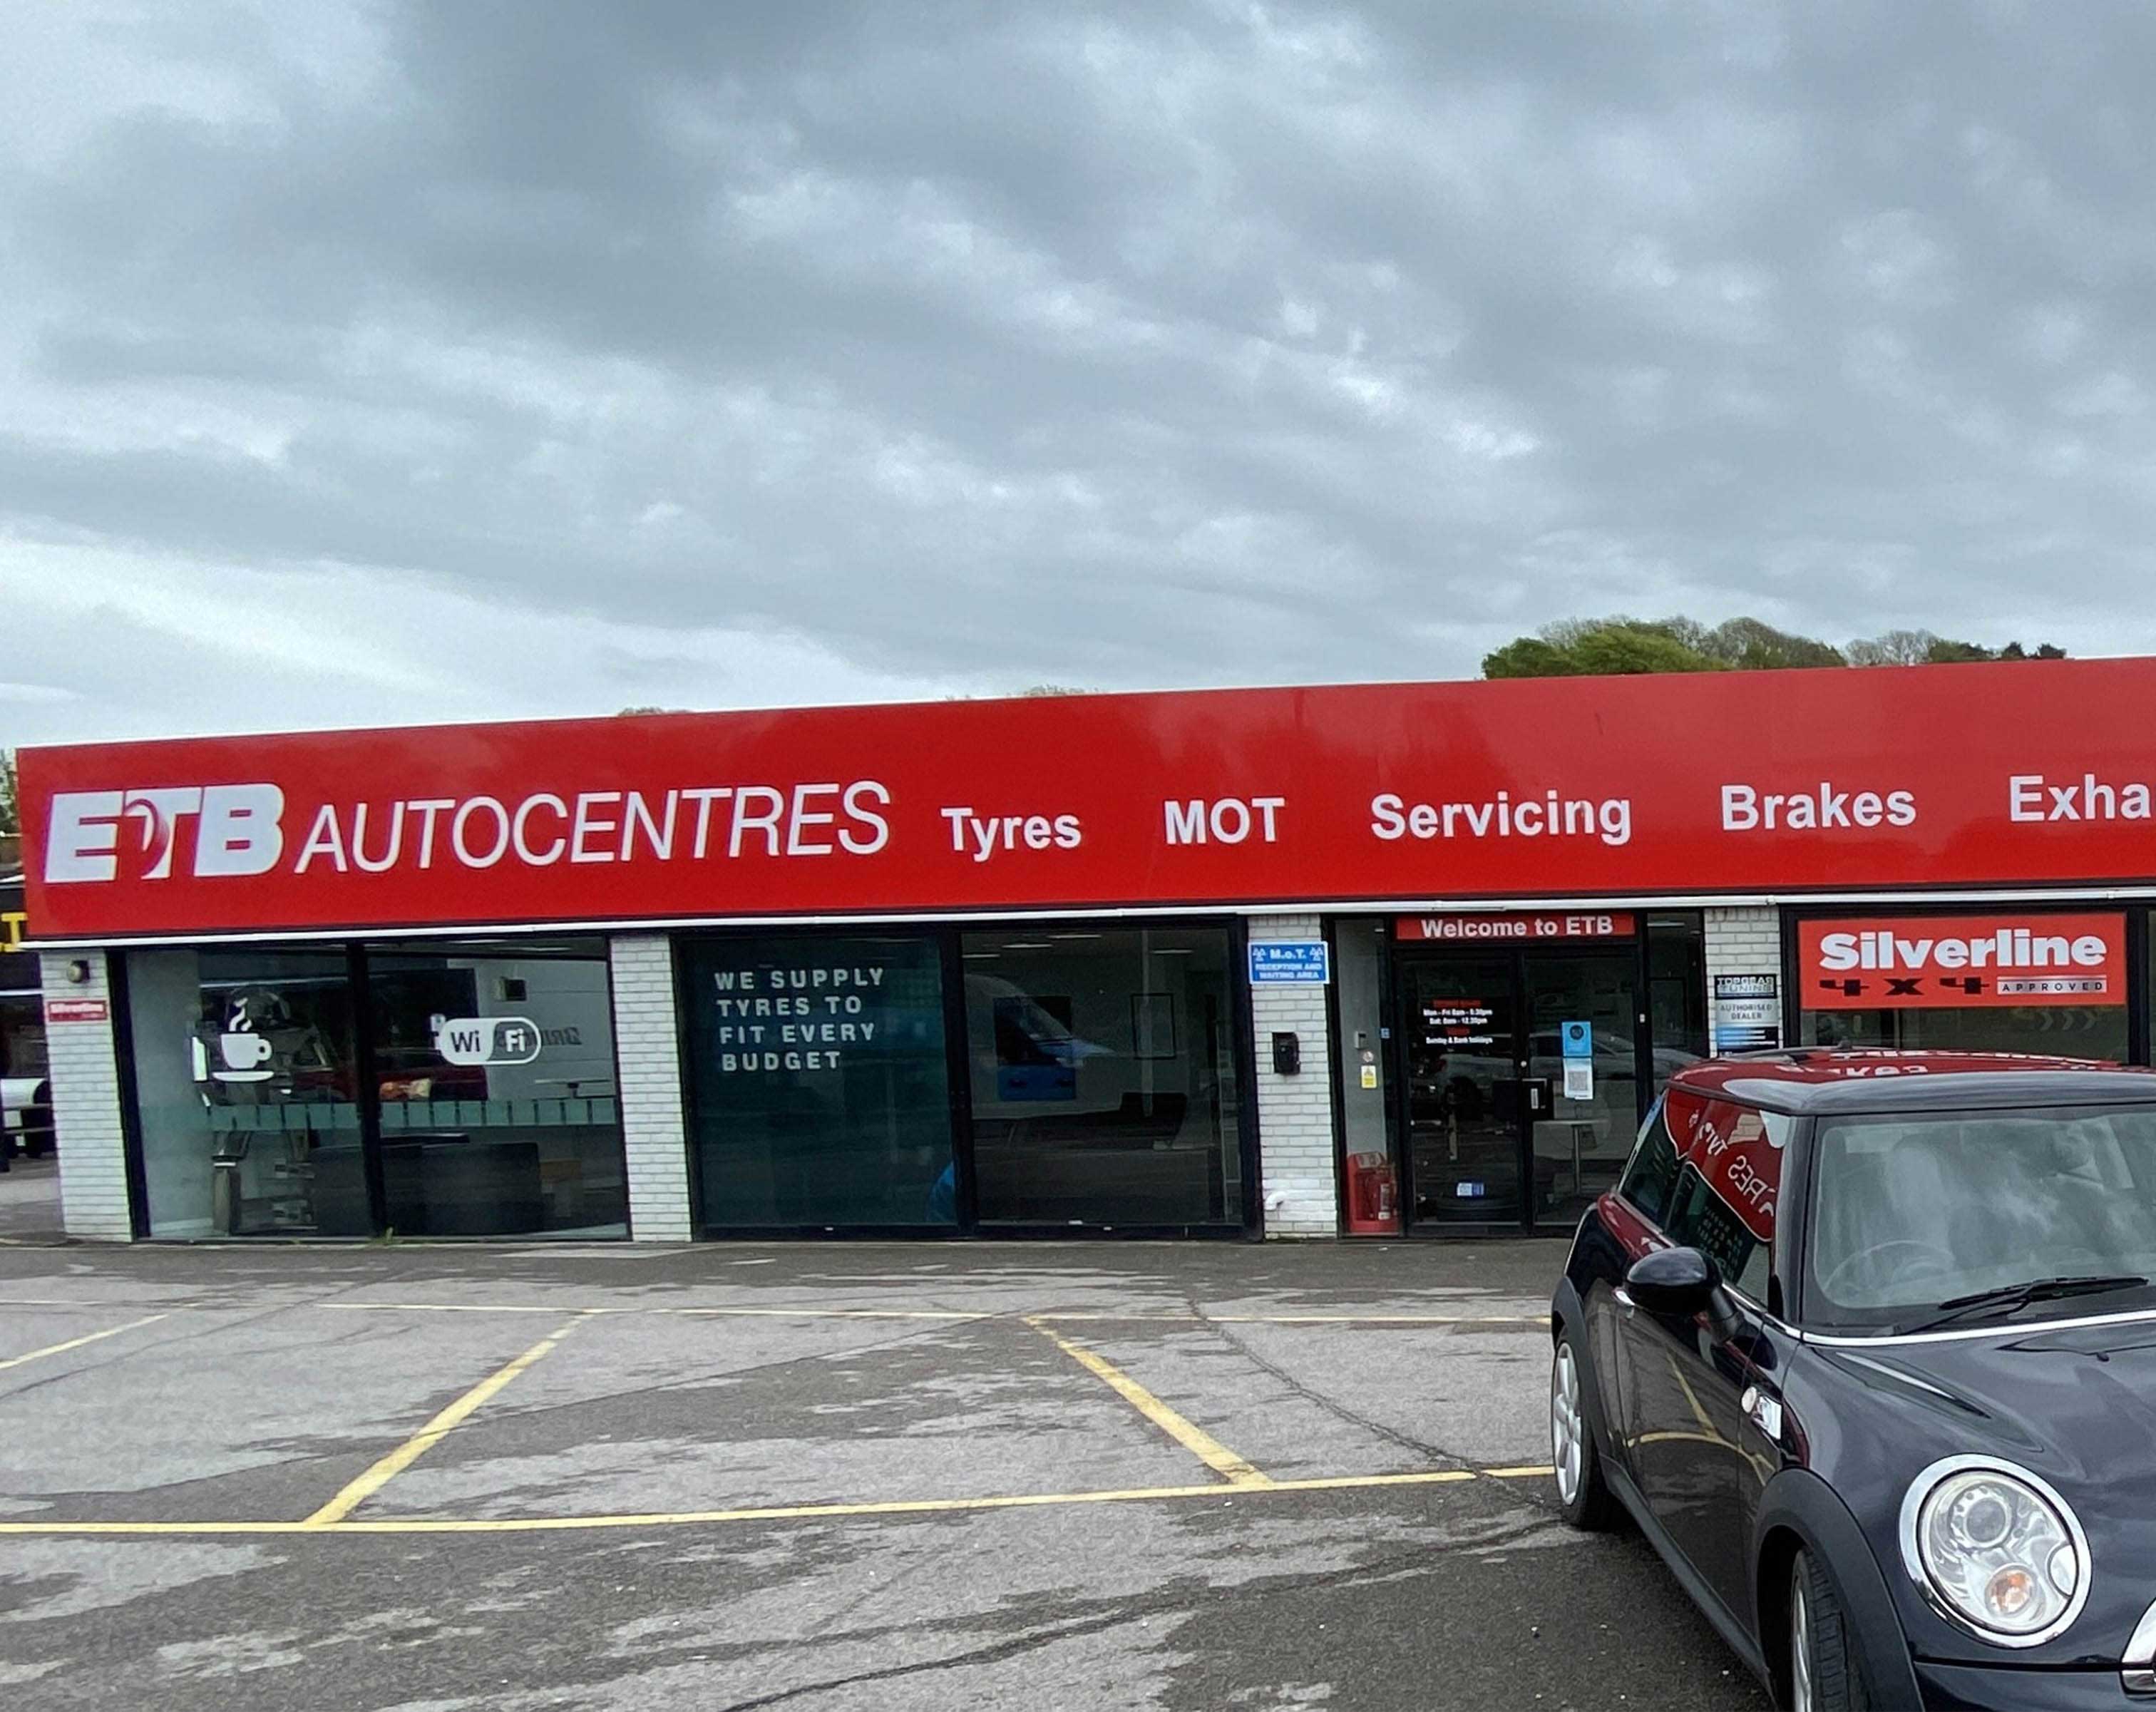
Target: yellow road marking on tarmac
(841, 1313)
(1075, 1317)
(743, 1313)
(771, 1513)
(77, 1343)
(1531, 1472)
(455, 1308)
(1193, 1438)
(432, 1434)
(1306, 1318)
(87, 1304)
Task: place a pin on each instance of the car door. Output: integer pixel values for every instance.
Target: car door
(1687, 1388)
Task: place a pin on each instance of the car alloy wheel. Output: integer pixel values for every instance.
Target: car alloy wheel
(1567, 1429)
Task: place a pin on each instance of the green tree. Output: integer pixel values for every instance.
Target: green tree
(1631, 649)
(1622, 645)
(1529, 656)
(1924, 647)
(2042, 650)
(1611, 647)
(1894, 648)
(1748, 644)
(10, 820)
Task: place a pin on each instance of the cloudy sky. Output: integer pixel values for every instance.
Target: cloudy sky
(381, 363)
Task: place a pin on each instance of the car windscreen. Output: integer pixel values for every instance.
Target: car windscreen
(1911, 1212)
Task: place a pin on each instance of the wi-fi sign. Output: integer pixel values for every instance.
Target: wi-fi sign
(487, 1040)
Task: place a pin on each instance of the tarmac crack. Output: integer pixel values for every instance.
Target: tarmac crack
(1331, 1405)
(1014, 1648)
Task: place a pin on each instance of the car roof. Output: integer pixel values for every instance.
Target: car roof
(1810, 1081)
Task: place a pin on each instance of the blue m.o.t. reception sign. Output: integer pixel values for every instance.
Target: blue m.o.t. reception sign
(1279, 962)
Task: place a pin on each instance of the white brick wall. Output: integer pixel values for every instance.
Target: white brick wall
(1295, 1113)
(1746, 941)
(85, 1078)
(648, 1063)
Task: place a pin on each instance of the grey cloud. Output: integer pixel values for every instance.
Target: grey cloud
(1119, 344)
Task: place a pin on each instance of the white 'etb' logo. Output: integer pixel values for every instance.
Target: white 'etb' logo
(237, 830)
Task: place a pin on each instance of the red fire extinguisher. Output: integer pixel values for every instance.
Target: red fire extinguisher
(1372, 1204)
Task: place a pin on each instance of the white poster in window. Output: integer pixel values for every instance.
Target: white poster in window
(1580, 1078)
(1747, 1012)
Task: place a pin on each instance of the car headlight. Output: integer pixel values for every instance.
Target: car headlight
(1995, 1550)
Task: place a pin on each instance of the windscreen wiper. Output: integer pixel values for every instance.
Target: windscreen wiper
(2007, 1297)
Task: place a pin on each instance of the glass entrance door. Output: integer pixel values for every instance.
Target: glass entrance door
(1464, 1066)
(1516, 1115)
(1580, 1136)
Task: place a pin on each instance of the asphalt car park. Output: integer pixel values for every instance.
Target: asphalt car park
(810, 1476)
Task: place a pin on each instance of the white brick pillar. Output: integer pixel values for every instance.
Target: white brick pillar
(1748, 940)
(85, 1082)
(648, 1064)
(1295, 1113)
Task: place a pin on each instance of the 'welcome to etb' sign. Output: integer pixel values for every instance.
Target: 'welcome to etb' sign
(1478, 928)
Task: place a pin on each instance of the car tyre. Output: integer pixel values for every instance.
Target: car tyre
(1582, 1494)
(1824, 1674)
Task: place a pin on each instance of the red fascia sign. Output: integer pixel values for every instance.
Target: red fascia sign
(1960, 962)
(1479, 928)
(1577, 788)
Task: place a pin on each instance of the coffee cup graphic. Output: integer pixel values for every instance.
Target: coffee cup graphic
(246, 1056)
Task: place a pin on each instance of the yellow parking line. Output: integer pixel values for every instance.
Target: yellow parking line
(77, 1343)
(771, 1513)
(1531, 1473)
(432, 1434)
(88, 1305)
(453, 1308)
(1193, 1438)
(742, 1313)
(1074, 1317)
(839, 1312)
(1304, 1318)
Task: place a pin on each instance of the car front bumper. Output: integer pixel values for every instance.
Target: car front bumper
(1965, 1688)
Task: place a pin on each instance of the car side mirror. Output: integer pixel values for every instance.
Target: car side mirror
(1680, 1283)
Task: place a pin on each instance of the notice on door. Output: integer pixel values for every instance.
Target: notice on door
(1580, 1078)
(1459, 1023)
(1748, 1013)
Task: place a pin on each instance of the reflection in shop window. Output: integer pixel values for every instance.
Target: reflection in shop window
(494, 1064)
(1677, 989)
(1103, 1077)
(244, 1074)
(493, 1068)
(819, 1080)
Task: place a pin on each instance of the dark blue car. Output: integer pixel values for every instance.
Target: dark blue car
(1865, 1344)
